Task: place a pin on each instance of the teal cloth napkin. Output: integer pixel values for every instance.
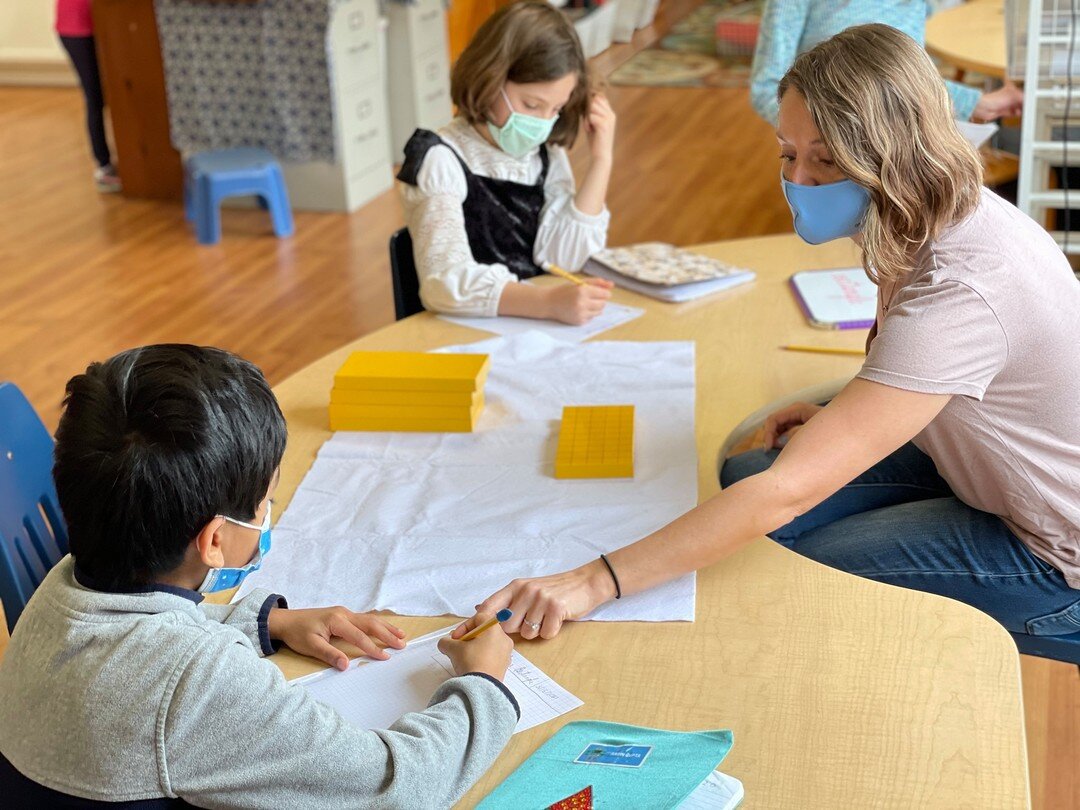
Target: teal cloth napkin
(677, 763)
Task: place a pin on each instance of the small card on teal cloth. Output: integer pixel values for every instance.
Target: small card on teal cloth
(627, 766)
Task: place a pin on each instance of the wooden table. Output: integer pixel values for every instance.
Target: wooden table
(841, 692)
(970, 36)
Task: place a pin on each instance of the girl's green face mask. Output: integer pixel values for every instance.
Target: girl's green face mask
(521, 133)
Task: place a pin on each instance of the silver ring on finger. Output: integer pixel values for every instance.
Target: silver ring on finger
(534, 625)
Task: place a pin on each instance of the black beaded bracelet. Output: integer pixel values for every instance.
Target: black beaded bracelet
(618, 587)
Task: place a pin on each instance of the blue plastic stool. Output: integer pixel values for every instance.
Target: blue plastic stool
(210, 177)
(33, 535)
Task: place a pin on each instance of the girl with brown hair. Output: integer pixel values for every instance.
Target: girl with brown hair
(490, 198)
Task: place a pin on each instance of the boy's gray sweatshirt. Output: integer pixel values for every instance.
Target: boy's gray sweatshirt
(127, 696)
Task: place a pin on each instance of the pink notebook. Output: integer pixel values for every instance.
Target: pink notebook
(836, 299)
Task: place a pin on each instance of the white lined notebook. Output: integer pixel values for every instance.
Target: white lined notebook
(374, 694)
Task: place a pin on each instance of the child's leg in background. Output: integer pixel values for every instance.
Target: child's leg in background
(84, 58)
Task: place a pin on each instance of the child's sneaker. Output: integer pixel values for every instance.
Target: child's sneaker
(107, 180)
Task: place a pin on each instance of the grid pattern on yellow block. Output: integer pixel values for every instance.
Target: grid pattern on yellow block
(596, 441)
(412, 371)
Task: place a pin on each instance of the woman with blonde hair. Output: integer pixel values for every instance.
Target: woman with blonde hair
(951, 463)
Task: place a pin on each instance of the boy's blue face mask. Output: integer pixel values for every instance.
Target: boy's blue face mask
(521, 133)
(824, 213)
(221, 579)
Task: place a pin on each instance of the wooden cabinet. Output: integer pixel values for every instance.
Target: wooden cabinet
(466, 16)
(133, 79)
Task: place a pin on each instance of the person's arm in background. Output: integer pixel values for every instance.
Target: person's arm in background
(782, 23)
(970, 103)
(1005, 102)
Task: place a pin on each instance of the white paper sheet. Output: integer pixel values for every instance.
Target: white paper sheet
(374, 694)
(612, 316)
(976, 134)
(718, 792)
(432, 523)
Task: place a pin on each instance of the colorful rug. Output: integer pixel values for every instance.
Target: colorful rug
(712, 47)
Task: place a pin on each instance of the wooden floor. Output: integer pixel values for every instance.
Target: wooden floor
(83, 276)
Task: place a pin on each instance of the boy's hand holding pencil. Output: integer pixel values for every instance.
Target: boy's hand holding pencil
(479, 645)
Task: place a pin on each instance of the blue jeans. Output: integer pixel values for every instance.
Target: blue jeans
(900, 523)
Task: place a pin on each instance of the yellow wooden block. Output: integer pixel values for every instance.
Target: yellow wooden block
(412, 371)
(387, 423)
(463, 399)
(346, 411)
(596, 441)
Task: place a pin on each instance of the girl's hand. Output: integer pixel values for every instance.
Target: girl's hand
(308, 632)
(541, 605)
(577, 304)
(600, 129)
(787, 420)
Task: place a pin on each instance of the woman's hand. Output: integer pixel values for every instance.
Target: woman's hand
(542, 604)
(600, 129)
(785, 421)
(1005, 102)
(308, 632)
(577, 304)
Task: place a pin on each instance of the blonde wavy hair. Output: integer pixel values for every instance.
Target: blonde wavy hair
(883, 112)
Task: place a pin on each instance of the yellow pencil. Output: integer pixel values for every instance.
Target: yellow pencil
(825, 350)
(501, 616)
(555, 270)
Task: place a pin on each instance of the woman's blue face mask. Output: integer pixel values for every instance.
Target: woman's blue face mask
(826, 212)
(221, 579)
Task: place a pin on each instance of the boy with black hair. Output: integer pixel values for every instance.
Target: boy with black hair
(120, 686)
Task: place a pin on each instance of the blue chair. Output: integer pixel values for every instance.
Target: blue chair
(403, 275)
(210, 177)
(1057, 648)
(33, 536)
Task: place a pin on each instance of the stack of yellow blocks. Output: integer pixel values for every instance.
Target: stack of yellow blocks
(409, 391)
(596, 441)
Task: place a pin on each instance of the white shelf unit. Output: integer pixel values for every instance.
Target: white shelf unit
(418, 54)
(1045, 40)
(356, 58)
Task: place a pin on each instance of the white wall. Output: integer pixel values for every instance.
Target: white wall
(30, 53)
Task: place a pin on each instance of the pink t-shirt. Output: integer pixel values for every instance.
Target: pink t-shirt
(992, 316)
(73, 18)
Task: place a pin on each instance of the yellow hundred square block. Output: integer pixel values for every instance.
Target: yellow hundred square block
(596, 441)
(412, 371)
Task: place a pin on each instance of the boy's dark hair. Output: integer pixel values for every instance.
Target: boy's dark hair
(152, 445)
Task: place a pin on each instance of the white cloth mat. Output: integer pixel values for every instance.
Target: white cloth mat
(374, 694)
(433, 523)
(612, 316)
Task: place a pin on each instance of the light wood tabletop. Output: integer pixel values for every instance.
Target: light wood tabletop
(970, 36)
(841, 692)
